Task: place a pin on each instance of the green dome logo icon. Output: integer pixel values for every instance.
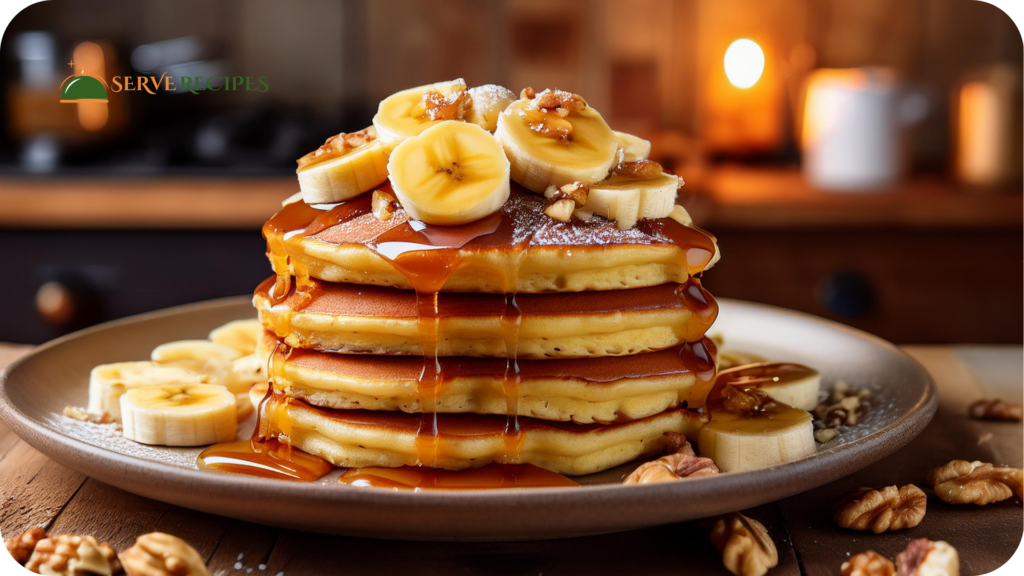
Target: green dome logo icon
(82, 88)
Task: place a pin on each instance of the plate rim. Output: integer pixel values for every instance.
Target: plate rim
(53, 444)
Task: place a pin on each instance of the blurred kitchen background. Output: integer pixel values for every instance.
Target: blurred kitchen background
(858, 160)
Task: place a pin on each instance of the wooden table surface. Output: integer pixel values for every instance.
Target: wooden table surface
(35, 491)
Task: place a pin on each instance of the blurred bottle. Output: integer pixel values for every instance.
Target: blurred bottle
(987, 127)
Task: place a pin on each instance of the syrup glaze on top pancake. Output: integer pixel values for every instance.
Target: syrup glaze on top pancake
(520, 226)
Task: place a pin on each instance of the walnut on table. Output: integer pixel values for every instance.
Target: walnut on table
(159, 554)
(20, 547)
(879, 510)
(681, 464)
(924, 557)
(963, 482)
(996, 410)
(73, 555)
(746, 547)
(869, 563)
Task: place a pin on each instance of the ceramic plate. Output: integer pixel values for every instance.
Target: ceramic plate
(35, 390)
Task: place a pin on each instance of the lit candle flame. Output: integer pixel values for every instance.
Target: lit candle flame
(744, 63)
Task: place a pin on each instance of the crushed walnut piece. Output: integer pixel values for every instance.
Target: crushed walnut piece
(746, 547)
(560, 210)
(844, 406)
(963, 482)
(384, 204)
(996, 410)
(339, 145)
(576, 191)
(926, 557)
(680, 464)
(77, 413)
(73, 555)
(159, 554)
(527, 93)
(868, 563)
(740, 400)
(559, 100)
(879, 510)
(20, 547)
(641, 169)
(436, 106)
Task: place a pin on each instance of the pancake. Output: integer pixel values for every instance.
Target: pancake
(584, 390)
(518, 249)
(361, 438)
(377, 320)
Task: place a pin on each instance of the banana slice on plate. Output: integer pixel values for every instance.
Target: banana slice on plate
(241, 335)
(174, 415)
(344, 167)
(748, 430)
(632, 148)
(452, 173)
(108, 382)
(792, 384)
(554, 139)
(408, 113)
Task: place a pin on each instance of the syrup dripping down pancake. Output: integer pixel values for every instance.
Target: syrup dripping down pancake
(377, 320)
(519, 249)
(584, 391)
(363, 438)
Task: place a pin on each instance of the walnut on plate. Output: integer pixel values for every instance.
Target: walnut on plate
(72, 555)
(868, 563)
(996, 410)
(882, 509)
(963, 482)
(924, 557)
(159, 554)
(746, 547)
(681, 464)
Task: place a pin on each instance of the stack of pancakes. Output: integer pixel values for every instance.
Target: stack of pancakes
(514, 339)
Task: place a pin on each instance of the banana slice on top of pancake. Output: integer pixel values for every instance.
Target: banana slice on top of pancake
(408, 113)
(451, 173)
(344, 167)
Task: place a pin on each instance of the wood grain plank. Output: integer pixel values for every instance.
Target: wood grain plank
(33, 489)
(244, 546)
(109, 514)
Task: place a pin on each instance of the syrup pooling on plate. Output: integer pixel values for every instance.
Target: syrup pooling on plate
(270, 459)
(765, 374)
(490, 477)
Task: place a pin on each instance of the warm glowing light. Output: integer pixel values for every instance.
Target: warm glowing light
(744, 63)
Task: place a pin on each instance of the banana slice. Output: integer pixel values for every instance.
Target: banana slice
(792, 384)
(344, 167)
(408, 113)
(108, 382)
(171, 415)
(556, 145)
(748, 440)
(626, 199)
(452, 173)
(241, 335)
(632, 148)
(297, 197)
(489, 101)
(204, 357)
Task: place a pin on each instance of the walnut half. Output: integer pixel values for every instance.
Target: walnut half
(20, 547)
(868, 563)
(963, 482)
(924, 557)
(996, 410)
(746, 547)
(882, 509)
(159, 554)
(72, 555)
(681, 464)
